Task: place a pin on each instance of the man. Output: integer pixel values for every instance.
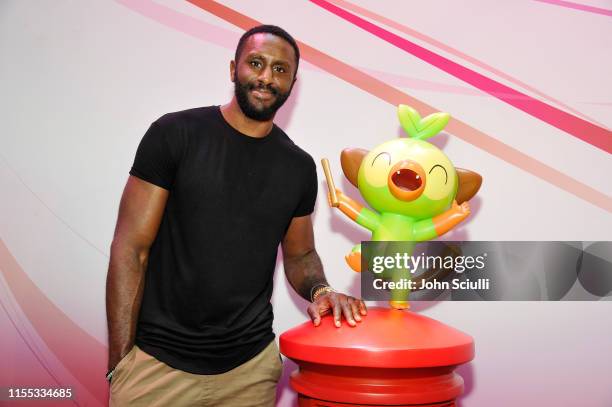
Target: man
(212, 193)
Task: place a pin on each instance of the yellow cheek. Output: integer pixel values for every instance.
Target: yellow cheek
(376, 175)
(435, 188)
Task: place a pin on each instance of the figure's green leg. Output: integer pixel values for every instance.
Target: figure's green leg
(399, 296)
(354, 258)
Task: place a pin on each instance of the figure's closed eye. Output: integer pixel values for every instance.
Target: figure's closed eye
(443, 169)
(382, 154)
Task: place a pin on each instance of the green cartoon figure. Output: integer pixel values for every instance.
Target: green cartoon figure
(415, 192)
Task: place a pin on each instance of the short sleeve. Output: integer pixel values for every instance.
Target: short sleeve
(309, 197)
(154, 162)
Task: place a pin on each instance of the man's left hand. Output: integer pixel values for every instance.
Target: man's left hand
(339, 304)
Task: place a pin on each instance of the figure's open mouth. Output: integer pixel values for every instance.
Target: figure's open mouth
(407, 179)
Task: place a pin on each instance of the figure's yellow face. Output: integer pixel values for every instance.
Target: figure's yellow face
(407, 176)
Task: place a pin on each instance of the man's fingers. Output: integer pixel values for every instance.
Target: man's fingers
(362, 308)
(339, 305)
(348, 313)
(337, 313)
(354, 308)
(313, 311)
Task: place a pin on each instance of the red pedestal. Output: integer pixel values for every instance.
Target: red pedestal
(392, 357)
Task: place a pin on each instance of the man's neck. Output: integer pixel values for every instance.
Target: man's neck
(235, 117)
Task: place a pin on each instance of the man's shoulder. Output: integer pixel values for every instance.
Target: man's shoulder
(295, 151)
(188, 116)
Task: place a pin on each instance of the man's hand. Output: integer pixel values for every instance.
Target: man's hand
(339, 304)
(304, 271)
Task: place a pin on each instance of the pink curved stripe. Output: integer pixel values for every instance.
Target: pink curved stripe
(579, 128)
(578, 6)
(440, 45)
(391, 95)
(183, 23)
(21, 361)
(385, 92)
(414, 83)
(228, 39)
(82, 355)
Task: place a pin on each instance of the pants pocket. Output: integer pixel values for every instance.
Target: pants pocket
(279, 362)
(122, 367)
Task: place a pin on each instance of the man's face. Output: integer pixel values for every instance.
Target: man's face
(263, 76)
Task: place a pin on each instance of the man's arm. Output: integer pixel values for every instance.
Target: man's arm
(304, 271)
(140, 213)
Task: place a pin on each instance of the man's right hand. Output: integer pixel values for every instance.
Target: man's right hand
(340, 305)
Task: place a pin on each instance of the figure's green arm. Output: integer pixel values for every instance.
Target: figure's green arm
(424, 230)
(428, 229)
(360, 214)
(368, 219)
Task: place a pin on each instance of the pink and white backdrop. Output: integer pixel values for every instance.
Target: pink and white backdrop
(528, 84)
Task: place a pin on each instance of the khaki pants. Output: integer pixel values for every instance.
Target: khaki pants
(142, 380)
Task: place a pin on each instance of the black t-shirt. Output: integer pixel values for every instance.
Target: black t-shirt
(206, 303)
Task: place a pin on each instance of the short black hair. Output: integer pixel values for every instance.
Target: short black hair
(269, 29)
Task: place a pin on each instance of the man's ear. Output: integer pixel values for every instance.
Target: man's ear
(351, 159)
(232, 70)
(293, 83)
(469, 184)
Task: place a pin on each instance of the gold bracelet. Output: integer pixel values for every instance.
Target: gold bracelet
(321, 290)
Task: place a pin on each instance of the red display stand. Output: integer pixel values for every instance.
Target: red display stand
(392, 358)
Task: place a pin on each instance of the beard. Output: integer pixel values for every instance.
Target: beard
(263, 113)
